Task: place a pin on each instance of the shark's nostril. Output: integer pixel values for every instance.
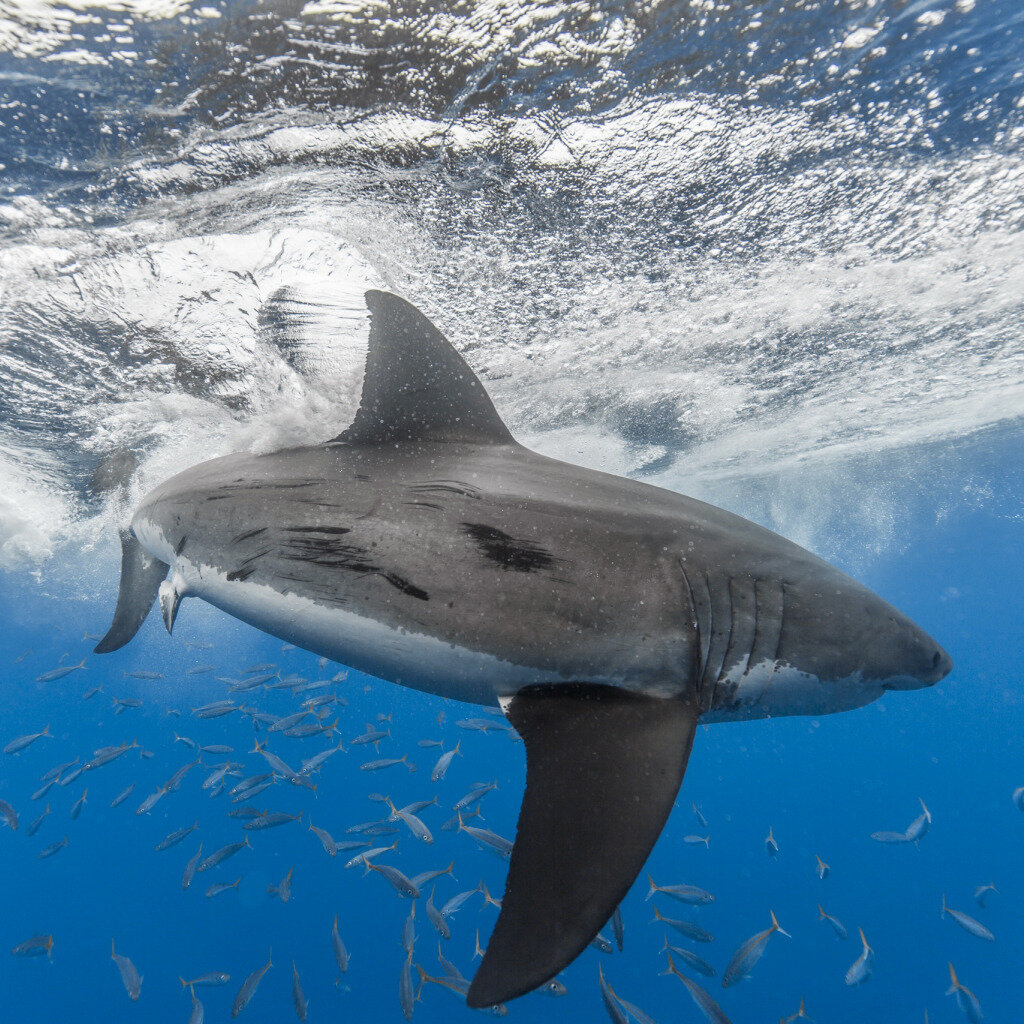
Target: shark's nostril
(936, 659)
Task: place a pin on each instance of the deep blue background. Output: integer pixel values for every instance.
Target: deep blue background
(823, 785)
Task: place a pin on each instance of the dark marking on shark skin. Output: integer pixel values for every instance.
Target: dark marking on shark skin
(180, 546)
(236, 490)
(318, 546)
(508, 551)
(443, 487)
(248, 535)
(247, 566)
(330, 531)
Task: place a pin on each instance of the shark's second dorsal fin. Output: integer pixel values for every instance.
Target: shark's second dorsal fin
(416, 386)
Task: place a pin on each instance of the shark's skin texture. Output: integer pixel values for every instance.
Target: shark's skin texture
(606, 616)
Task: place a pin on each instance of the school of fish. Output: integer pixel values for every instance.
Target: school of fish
(289, 750)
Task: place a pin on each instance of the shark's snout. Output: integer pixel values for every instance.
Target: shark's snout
(927, 665)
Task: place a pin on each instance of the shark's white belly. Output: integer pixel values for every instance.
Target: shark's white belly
(771, 690)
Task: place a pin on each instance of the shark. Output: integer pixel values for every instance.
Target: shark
(605, 616)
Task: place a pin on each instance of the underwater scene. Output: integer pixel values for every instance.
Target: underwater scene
(512, 508)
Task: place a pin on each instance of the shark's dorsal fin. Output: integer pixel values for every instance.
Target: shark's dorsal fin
(416, 386)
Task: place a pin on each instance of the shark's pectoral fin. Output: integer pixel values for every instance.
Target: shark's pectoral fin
(141, 576)
(603, 767)
(416, 386)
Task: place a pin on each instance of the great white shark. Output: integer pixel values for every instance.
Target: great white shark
(605, 616)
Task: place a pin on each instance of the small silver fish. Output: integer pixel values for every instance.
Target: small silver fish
(822, 868)
(688, 894)
(443, 763)
(409, 931)
(211, 979)
(610, 1000)
(711, 1010)
(38, 945)
(387, 762)
(366, 856)
(299, 1000)
(326, 839)
(457, 901)
(123, 795)
(966, 922)
(35, 825)
(697, 963)
(981, 893)
(53, 849)
(837, 926)
(918, 828)
(801, 1014)
(476, 794)
(190, 867)
(416, 826)
(487, 839)
(130, 977)
(770, 845)
(340, 952)
(221, 855)
(150, 802)
(175, 837)
(436, 918)
(966, 999)
(399, 882)
(699, 816)
(748, 954)
(249, 986)
(76, 808)
(891, 838)
(271, 819)
(220, 887)
(860, 969)
(405, 993)
(53, 773)
(71, 776)
(16, 746)
(283, 889)
(686, 928)
(59, 673)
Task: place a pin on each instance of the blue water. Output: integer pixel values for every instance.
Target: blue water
(767, 257)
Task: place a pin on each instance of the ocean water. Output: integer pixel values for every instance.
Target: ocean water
(766, 255)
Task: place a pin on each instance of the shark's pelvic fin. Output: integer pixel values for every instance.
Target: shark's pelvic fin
(416, 387)
(141, 576)
(603, 767)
